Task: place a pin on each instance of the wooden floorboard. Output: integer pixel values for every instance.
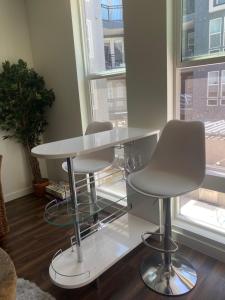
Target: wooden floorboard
(32, 242)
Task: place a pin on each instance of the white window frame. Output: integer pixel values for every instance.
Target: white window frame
(224, 34)
(192, 234)
(222, 84)
(215, 49)
(120, 40)
(213, 8)
(90, 39)
(218, 3)
(114, 73)
(208, 86)
(112, 42)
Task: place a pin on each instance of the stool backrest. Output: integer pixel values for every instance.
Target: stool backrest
(181, 149)
(95, 127)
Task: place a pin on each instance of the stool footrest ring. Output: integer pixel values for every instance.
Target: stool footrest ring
(162, 250)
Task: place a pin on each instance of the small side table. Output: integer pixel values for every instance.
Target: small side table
(8, 277)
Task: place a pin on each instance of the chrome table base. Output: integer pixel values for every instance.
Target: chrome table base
(180, 278)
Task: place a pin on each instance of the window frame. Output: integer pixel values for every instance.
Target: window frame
(217, 4)
(90, 76)
(112, 41)
(221, 87)
(212, 84)
(213, 180)
(214, 8)
(216, 33)
(189, 63)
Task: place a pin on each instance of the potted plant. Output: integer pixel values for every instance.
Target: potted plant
(23, 103)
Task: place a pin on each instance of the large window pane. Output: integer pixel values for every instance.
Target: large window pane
(205, 207)
(109, 101)
(104, 53)
(202, 96)
(203, 28)
(215, 25)
(219, 2)
(105, 43)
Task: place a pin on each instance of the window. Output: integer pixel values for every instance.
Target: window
(219, 2)
(119, 53)
(105, 60)
(201, 96)
(213, 88)
(203, 33)
(216, 5)
(205, 207)
(190, 42)
(103, 46)
(189, 7)
(114, 53)
(109, 100)
(215, 26)
(186, 95)
(222, 101)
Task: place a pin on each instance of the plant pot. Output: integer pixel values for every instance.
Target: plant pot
(39, 187)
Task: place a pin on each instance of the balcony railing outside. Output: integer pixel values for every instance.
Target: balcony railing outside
(112, 13)
(113, 62)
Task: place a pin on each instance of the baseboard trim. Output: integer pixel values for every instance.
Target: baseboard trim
(207, 247)
(17, 194)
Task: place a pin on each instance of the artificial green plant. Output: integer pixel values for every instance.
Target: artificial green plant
(24, 100)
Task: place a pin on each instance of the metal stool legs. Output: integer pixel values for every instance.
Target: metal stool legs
(165, 272)
(93, 194)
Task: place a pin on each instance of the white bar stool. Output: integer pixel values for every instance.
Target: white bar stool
(95, 161)
(176, 167)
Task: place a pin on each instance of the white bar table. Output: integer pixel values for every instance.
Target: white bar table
(68, 149)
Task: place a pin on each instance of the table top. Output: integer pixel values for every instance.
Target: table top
(90, 143)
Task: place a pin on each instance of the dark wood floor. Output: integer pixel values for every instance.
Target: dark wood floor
(31, 244)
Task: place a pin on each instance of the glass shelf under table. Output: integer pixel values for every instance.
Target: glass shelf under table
(61, 213)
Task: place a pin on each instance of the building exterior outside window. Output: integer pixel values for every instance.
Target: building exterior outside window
(201, 96)
(203, 35)
(105, 58)
(219, 2)
(215, 35)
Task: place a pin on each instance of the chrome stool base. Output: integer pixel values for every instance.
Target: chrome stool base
(180, 279)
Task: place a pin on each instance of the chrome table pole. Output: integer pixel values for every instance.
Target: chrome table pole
(93, 195)
(73, 195)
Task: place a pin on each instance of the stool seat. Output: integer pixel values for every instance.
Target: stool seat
(93, 162)
(87, 165)
(176, 167)
(160, 183)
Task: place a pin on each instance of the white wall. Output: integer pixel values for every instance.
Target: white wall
(14, 44)
(148, 33)
(146, 58)
(51, 32)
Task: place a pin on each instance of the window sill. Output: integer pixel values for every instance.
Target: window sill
(107, 74)
(201, 239)
(216, 8)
